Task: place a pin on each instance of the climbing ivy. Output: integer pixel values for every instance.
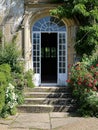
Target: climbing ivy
(86, 12)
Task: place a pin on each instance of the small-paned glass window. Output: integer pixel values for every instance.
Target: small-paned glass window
(49, 24)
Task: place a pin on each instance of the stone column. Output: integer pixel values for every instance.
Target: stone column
(27, 47)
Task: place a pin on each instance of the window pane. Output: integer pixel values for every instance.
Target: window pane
(34, 58)
(36, 52)
(47, 52)
(49, 23)
(34, 47)
(62, 53)
(53, 52)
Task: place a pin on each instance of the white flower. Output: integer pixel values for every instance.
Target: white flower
(11, 86)
(11, 97)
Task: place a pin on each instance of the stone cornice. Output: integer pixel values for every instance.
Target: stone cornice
(40, 2)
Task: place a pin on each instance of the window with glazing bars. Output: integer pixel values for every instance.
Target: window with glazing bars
(36, 52)
(62, 53)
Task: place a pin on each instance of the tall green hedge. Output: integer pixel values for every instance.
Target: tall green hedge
(5, 77)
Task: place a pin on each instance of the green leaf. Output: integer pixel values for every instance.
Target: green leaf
(81, 9)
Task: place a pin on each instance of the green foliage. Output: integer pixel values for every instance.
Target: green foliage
(84, 83)
(11, 71)
(64, 10)
(86, 12)
(88, 104)
(5, 69)
(5, 77)
(9, 54)
(19, 80)
(28, 77)
(2, 78)
(81, 9)
(2, 97)
(59, 11)
(1, 34)
(89, 41)
(20, 97)
(19, 84)
(10, 101)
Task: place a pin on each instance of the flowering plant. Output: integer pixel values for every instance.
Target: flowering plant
(10, 101)
(84, 77)
(84, 83)
(11, 97)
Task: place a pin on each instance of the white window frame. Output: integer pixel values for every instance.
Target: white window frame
(61, 77)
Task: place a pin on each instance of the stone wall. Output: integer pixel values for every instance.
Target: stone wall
(19, 19)
(11, 17)
(36, 11)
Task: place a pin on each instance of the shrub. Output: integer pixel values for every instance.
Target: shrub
(6, 70)
(9, 54)
(9, 67)
(28, 78)
(5, 77)
(19, 80)
(84, 83)
(10, 101)
(2, 98)
(12, 72)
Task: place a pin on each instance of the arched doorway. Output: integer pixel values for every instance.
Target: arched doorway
(49, 53)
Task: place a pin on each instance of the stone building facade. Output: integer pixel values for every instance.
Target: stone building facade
(46, 42)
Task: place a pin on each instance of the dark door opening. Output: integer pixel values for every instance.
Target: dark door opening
(49, 57)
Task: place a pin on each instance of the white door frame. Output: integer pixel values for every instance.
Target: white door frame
(50, 24)
(61, 77)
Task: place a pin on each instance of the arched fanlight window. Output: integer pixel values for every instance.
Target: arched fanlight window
(49, 23)
(46, 25)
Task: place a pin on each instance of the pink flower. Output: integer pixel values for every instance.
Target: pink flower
(79, 83)
(80, 79)
(85, 81)
(90, 85)
(94, 88)
(96, 65)
(95, 81)
(69, 73)
(96, 73)
(68, 81)
(69, 65)
(92, 67)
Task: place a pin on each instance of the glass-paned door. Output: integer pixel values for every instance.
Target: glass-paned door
(62, 58)
(49, 51)
(48, 57)
(36, 57)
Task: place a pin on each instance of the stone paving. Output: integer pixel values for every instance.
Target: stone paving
(48, 121)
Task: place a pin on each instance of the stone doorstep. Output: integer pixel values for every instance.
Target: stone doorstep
(52, 101)
(47, 89)
(45, 108)
(47, 94)
(47, 99)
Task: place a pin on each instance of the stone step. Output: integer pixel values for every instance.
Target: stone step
(47, 99)
(45, 108)
(52, 101)
(47, 95)
(48, 89)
